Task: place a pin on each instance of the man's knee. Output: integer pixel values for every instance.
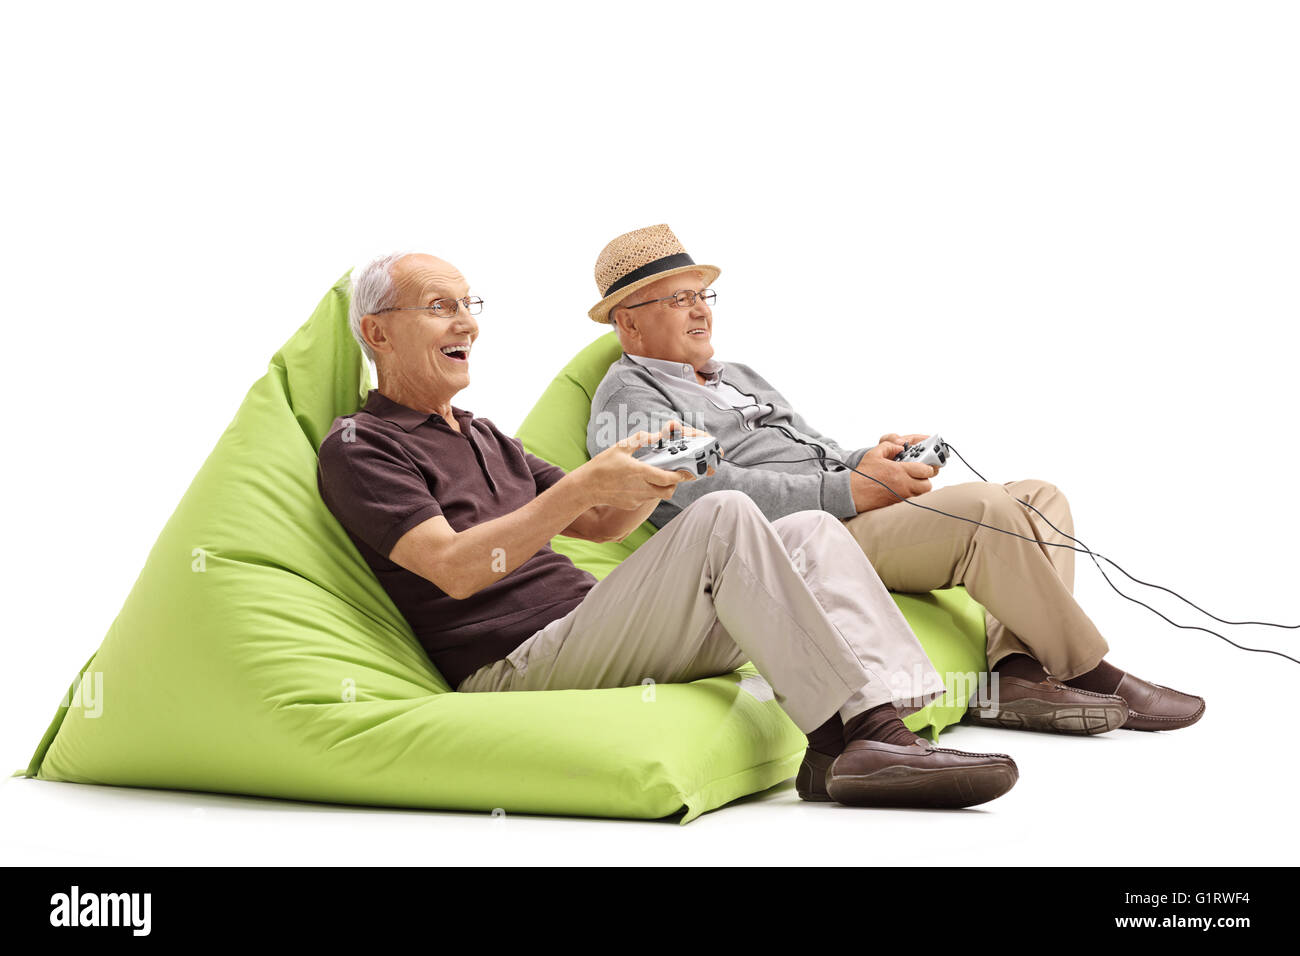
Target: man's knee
(806, 519)
(1043, 495)
(1034, 487)
(991, 504)
(806, 524)
(726, 503)
(1012, 507)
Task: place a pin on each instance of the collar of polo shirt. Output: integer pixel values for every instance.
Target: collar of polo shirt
(381, 406)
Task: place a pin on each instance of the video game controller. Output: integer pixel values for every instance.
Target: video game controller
(694, 455)
(932, 451)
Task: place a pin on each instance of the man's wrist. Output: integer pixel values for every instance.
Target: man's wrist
(577, 489)
(838, 495)
(854, 458)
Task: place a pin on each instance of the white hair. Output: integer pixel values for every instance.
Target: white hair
(372, 290)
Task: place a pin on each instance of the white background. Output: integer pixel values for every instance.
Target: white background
(1063, 235)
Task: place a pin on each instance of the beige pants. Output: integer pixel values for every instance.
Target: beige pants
(1026, 588)
(719, 585)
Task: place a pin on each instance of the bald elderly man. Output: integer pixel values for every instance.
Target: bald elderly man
(455, 519)
(1049, 657)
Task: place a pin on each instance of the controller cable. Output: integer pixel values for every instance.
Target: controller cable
(1082, 549)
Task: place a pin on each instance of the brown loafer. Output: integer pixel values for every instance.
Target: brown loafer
(810, 781)
(1048, 706)
(1153, 707)
(874, 774)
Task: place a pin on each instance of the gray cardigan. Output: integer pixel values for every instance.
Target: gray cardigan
(632, 398)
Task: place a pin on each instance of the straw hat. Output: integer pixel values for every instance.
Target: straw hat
(639, 258)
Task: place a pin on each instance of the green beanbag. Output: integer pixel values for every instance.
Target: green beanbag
(949, 624)
(258, 654)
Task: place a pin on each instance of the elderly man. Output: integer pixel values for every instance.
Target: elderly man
(1049, 657)
(455, 519)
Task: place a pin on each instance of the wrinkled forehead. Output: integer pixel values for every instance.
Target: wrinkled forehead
(420, 278)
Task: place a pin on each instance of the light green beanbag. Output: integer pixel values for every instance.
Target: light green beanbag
(258, 654)
(950, 624)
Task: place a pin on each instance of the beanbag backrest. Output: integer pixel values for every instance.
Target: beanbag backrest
(258, 654)
(949, 624)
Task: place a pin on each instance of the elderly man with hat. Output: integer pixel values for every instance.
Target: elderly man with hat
(1048, 655)
(455, 519)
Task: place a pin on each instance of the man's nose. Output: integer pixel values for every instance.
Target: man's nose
(464, 322)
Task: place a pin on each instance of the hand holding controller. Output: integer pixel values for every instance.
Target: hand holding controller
(932, 451)
(694, 455)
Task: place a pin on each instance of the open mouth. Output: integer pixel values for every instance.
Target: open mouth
(698, 333)
(457, 353)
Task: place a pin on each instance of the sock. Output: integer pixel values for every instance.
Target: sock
(879, 723)
(1022, 666)
(828, 739)
(1102, 679)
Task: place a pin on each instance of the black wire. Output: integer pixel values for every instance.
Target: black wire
(1082, 549)
(1187, 627)
(1136, 580)
(815, 446)
(1014, 534)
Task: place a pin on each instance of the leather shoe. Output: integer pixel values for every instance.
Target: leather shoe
(870, 773)
(1048, 706)
(874, 774)
(1154, 707)
(810, 781)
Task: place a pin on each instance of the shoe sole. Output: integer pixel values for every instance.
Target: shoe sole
(815, 796)
(949, 788)
(1051, 718)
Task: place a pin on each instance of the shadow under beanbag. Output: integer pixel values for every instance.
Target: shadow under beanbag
(258, 654)
(949, 623)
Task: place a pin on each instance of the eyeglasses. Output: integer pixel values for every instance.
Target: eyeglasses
(683, 299)
(442, 307)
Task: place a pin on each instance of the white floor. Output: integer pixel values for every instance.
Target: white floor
(1187, 798)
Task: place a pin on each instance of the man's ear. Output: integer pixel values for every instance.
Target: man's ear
(372, 330)
(624, 322)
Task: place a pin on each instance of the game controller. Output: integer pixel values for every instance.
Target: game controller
(694, 455)
(932, 451)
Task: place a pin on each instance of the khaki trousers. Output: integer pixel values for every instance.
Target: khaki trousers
(1026, 588)
(719, 585)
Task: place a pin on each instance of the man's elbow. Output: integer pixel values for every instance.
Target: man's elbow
(599, 526)
(456, 587)
(624, 534)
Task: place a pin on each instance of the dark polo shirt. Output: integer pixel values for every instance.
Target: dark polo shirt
(401, 468)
